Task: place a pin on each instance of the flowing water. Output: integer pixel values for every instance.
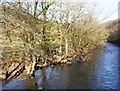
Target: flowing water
(101, 72)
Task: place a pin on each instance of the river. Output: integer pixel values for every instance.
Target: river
(101, 72)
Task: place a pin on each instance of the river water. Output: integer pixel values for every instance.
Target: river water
(101, 72)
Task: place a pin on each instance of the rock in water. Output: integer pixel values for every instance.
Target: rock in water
(68, 63)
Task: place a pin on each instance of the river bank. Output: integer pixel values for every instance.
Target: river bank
(101, 72)
(9, 67)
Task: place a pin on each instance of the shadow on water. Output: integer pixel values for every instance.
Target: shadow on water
(26, 82)
(101, 72)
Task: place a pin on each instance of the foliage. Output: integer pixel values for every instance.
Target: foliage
(69, 29)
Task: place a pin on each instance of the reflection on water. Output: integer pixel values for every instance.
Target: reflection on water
(100, 72)
(0, 85)
(21, 83)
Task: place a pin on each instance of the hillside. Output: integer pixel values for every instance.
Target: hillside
(13, 24)
(39, 43)
(16, 28)
(114, 29)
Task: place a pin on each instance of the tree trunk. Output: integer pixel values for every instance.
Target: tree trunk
(33, 66)
(60, 49)
(66, 45)
(35, 8)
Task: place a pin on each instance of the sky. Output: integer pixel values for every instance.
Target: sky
(107, 9)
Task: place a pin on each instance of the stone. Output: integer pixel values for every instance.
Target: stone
(68, 63)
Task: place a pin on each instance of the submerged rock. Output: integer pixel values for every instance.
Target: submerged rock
(68, 63)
